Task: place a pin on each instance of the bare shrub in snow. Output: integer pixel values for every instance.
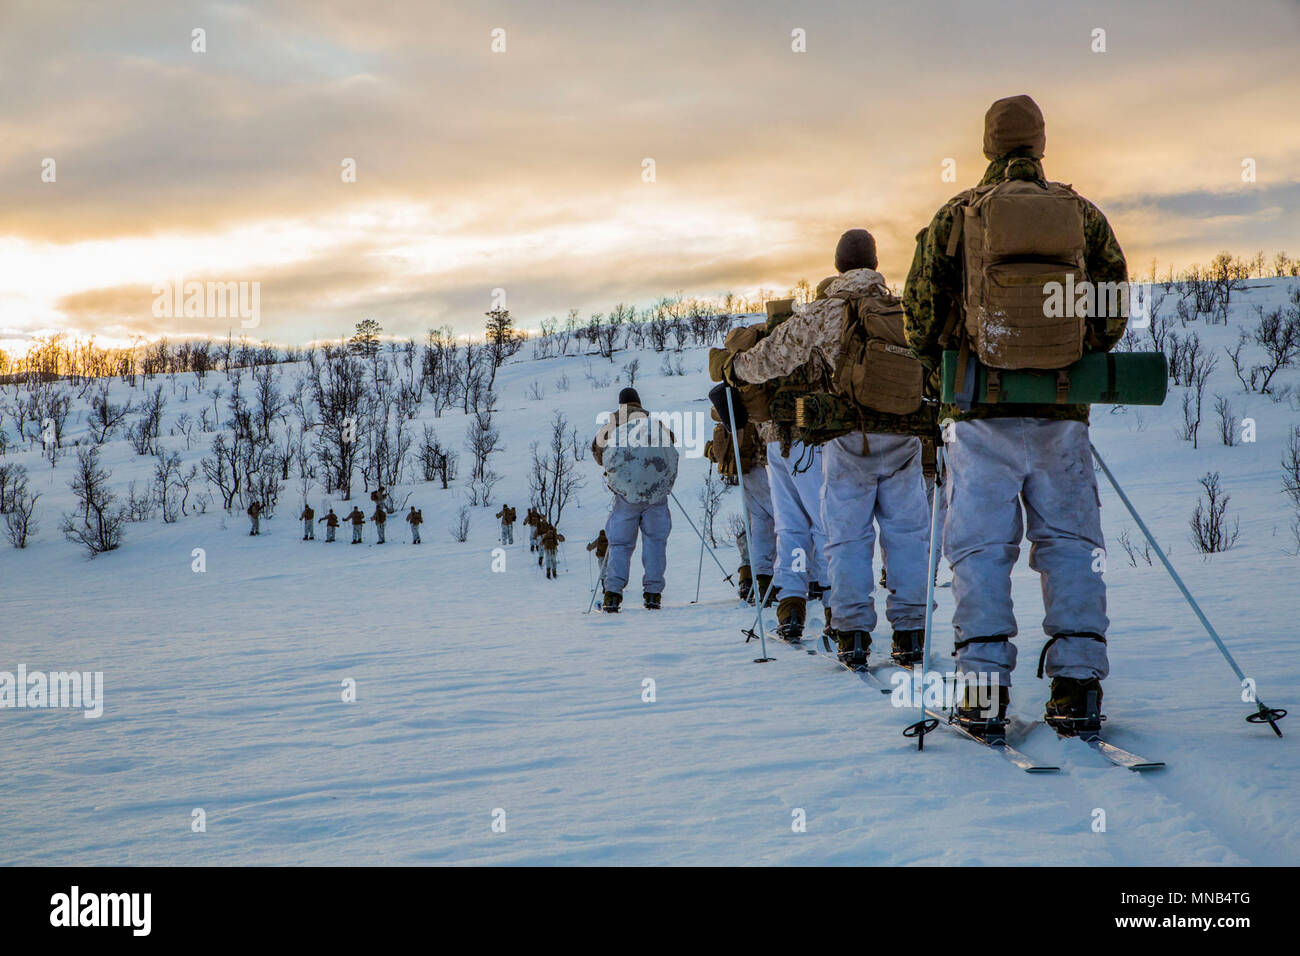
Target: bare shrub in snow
(1210, 531)
(20, 520)
(460, 530)
(99, 525)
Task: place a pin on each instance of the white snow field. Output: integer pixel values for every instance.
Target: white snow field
(482, 691)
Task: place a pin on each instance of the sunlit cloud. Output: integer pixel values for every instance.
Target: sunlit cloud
(523, 170)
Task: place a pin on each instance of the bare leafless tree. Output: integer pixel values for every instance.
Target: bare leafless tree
(1210, 531)
(99, 525)
(554, 479)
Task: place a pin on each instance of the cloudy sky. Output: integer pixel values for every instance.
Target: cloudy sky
(523, 169)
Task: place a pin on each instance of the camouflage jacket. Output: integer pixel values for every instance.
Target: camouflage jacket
(356, 517)
(415, 517)
(600, 545)
(380, 516)
(934, 290)
(551, 539)
(812, 340)
(331, 520)
(307, 514)
(813, 334)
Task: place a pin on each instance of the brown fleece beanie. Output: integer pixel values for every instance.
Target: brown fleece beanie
(1011, 123)
(856, 250)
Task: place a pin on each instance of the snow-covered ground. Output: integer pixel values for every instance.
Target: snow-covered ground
(482, 691)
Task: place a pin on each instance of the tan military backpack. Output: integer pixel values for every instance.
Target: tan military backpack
(1021, 235)
(876, 369)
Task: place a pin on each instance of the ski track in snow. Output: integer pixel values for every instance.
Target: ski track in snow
(479, 690)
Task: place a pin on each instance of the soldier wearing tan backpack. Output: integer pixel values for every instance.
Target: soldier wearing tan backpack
(507, 516)
(867, 419)
(982, 283)
(794, 473)
(758, 504)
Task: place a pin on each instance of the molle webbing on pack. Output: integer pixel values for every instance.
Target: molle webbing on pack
(1019, 237)
(876, 369)
(822, 416)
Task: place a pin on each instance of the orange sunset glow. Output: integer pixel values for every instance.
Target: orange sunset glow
(505, 145)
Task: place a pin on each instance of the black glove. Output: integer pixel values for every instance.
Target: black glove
(718, 396)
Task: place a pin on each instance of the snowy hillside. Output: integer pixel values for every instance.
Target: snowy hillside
(482, 690)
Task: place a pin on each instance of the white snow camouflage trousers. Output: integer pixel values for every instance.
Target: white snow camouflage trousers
(797, 516)
(997, 467)
(654, 523)
(308, 529)
(508, 533)
(758, 501)
(882, 489)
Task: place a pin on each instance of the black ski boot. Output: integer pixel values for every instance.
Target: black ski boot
(611, 602)
(652, 601)
(816, 591)
(790, 618)
(1074, 709)
(853, 648)
(763, 585)
(745, 582)
(982, 712)
(907, 647)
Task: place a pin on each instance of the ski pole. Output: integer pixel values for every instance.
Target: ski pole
(699, 569)
(686, 514)
(927, 724)
(600, 580)
(1263, 715)
(749, 543)
(762, 600)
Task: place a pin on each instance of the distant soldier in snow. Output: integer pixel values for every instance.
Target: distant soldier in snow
(541, 526)
(551, 539)
(308, 525)
(380, 518)
(415, 519)
(758, 500)
(358, 519)
(331, 525)
(532, 521)
(507, 516)
(601, 546)
(254, 514)
(640, 463)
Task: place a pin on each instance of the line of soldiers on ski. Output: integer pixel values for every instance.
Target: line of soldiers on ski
(837, 413)
(356, 517)
(544, 538)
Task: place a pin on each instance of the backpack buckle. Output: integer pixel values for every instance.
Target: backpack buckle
(1063, 386)
(993, 386)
